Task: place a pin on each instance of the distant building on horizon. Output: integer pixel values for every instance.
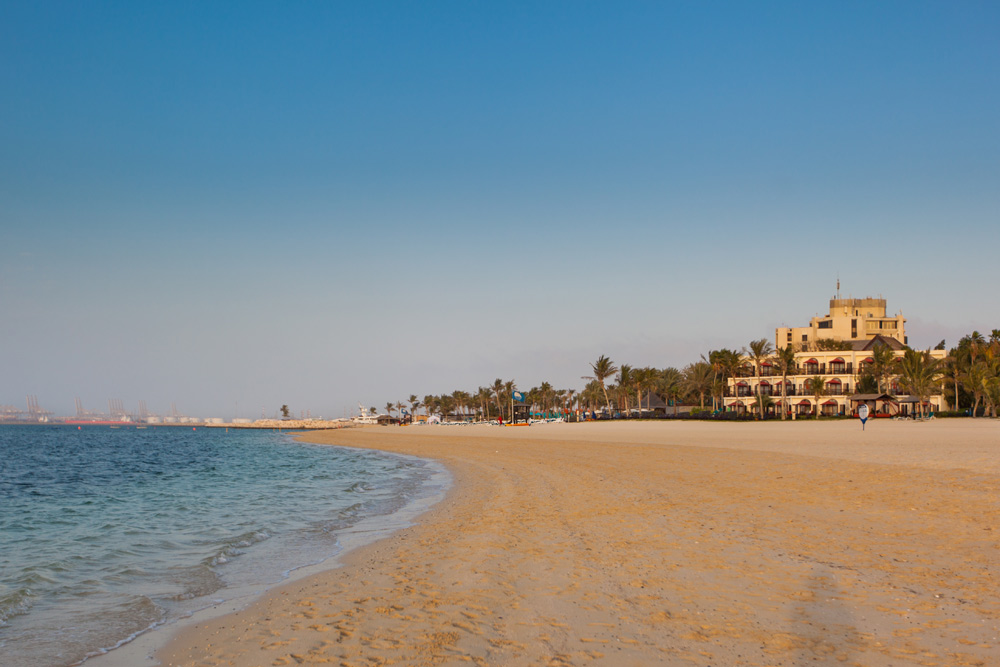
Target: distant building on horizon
(836, 347)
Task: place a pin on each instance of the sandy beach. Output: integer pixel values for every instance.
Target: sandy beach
(679, 543)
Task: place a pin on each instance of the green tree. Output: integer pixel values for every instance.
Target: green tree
(603, 368)
(883, 362)
(624, 382)
(919, 375)
(760, 351)
(817, 387)
(784, 360)
(725, 363)
(698, 380)
(975, 379)
(672, 386)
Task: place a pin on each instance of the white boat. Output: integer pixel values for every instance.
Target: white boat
(366, 417)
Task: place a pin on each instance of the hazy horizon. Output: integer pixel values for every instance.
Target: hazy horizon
(324, 204)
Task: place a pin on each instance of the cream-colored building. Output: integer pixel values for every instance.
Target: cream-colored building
(848, 319)
(857, 326)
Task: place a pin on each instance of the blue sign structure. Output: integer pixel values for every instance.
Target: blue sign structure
(863, 415)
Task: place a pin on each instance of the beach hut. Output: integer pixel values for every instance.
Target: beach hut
(652, 403)
(879, 404)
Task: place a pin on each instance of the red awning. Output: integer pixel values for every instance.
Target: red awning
(838, 360)
(830, 402)
(804, 402)
(812, 361)
(763, 382)
(868, 360)
(834, 381)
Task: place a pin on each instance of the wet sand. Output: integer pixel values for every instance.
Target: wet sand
(658, 544)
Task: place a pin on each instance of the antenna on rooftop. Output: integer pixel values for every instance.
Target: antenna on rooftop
(838, 286)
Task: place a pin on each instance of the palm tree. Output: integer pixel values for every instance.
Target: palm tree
(698, 379)
(624, 382)
(672, 385)
(603, 368)
(389, 407)
(497, 389)
(509, 388)
(414, 404)
(816, 385)
(759, 352)
(724, 361)
(545, 393)
(883, 359)
(647, 380)
(731, 365)
(446, 406)
(919, 374)
(975, 379)
(784, 358)
(954, 370)
(483, 396)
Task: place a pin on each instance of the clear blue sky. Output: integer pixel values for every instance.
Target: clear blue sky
(318, 203)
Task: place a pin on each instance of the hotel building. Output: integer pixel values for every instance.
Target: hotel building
(856, 326)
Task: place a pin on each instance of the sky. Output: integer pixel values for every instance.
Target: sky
(229, 207)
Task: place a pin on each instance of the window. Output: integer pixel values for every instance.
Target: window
(789, 337)
(805, 338)
(826, 324)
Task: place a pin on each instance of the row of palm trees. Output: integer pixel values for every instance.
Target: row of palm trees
(971, 372)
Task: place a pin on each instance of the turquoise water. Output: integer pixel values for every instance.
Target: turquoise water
(106, 533)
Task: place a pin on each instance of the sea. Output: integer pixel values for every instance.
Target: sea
(109, 533)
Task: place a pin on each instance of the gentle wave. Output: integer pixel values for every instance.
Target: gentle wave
(14, 603)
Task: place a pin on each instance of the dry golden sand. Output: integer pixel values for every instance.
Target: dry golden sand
(659, 544)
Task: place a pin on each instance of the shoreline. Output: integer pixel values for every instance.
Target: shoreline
(614, 544)
(145, 645)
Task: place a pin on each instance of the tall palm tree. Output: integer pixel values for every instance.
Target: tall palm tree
(953, 369)
(497, 389)
(624, 382)
(759, 352)
(919, 374)
(723, 362)
(883, 360)
(698, 379)
(731, 365)
(784, 358)
(816, 385)
(545, 394)
(414, 404)
(603, 368)
(672, 385)
(446, 406)
(483, 397)
(647, 380)
(975, 379)
(509, 388)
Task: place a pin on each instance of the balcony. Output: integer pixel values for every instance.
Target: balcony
(824, 369)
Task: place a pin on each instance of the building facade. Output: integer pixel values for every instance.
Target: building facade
(837, 347)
